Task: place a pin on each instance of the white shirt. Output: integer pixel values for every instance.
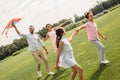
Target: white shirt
(34, 42)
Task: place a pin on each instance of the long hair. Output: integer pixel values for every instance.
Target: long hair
(59, 33)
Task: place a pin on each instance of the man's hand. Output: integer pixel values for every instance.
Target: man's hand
(46, 51)
(13, 24)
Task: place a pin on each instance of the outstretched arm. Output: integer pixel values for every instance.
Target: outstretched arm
(75, 32)
(58, 54)
(23, 35)
(15, 28)
(46, 37)
(102, 36)
(62, 24)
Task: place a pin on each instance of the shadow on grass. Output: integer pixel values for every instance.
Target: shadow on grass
(97, 73)
(39, 78)
(46, 77)
(57, 74)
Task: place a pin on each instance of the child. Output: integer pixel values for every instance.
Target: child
(92, 32)
(51, 33)
(65, 56)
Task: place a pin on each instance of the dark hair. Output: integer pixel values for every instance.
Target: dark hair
(59, 33)
(87, 14)
(47, 25)
(31, 26)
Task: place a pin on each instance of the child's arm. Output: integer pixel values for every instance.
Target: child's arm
(58, 54)
(102, 36)
(75, 32)
(62, 24)
(40, 36)
(46, 37)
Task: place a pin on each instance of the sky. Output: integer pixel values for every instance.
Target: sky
(38, 13)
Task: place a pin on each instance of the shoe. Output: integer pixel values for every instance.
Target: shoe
(39, 74)
(104, 62)
(50, 73)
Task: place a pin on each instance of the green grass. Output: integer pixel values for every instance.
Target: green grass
(23, 67)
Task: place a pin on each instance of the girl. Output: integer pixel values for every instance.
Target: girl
(93, 36)
(65, 56)
(52, 35)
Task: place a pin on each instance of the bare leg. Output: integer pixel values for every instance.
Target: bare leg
(73, 74)
(79, 70)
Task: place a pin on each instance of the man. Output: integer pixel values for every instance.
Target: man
(35, 45)
(93, 33)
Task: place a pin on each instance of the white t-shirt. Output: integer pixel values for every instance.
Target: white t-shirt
(34, 42)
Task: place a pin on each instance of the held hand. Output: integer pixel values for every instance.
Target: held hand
(76, 31)
(70, 39)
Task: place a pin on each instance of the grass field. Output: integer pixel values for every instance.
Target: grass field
(23, 67)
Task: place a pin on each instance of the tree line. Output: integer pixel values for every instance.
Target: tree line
(9, 49)
(101, 7)
(18, 44)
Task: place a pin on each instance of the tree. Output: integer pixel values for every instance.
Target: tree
(77, 18)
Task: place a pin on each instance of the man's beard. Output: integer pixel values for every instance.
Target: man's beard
(31, 32)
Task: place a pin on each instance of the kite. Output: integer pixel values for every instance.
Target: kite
(9, 25)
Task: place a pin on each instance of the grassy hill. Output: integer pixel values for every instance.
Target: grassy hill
(23, 67)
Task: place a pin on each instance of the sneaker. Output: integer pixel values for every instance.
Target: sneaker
(104, 62)
(39, 74)
(50, 73)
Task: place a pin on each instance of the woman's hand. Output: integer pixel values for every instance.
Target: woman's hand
(56, 66)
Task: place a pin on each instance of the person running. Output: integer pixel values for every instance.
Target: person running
(51, 33)
(35, 46)
(93, 33)
(65, 56)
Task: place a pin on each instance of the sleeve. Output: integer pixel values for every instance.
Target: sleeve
(40, 41)
(23, 35)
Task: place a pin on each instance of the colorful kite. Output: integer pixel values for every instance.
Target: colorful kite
(9, 25)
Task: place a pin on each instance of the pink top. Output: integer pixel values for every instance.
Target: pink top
(52, 36)
(91, 29)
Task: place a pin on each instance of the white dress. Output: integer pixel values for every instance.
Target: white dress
(66, 59)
